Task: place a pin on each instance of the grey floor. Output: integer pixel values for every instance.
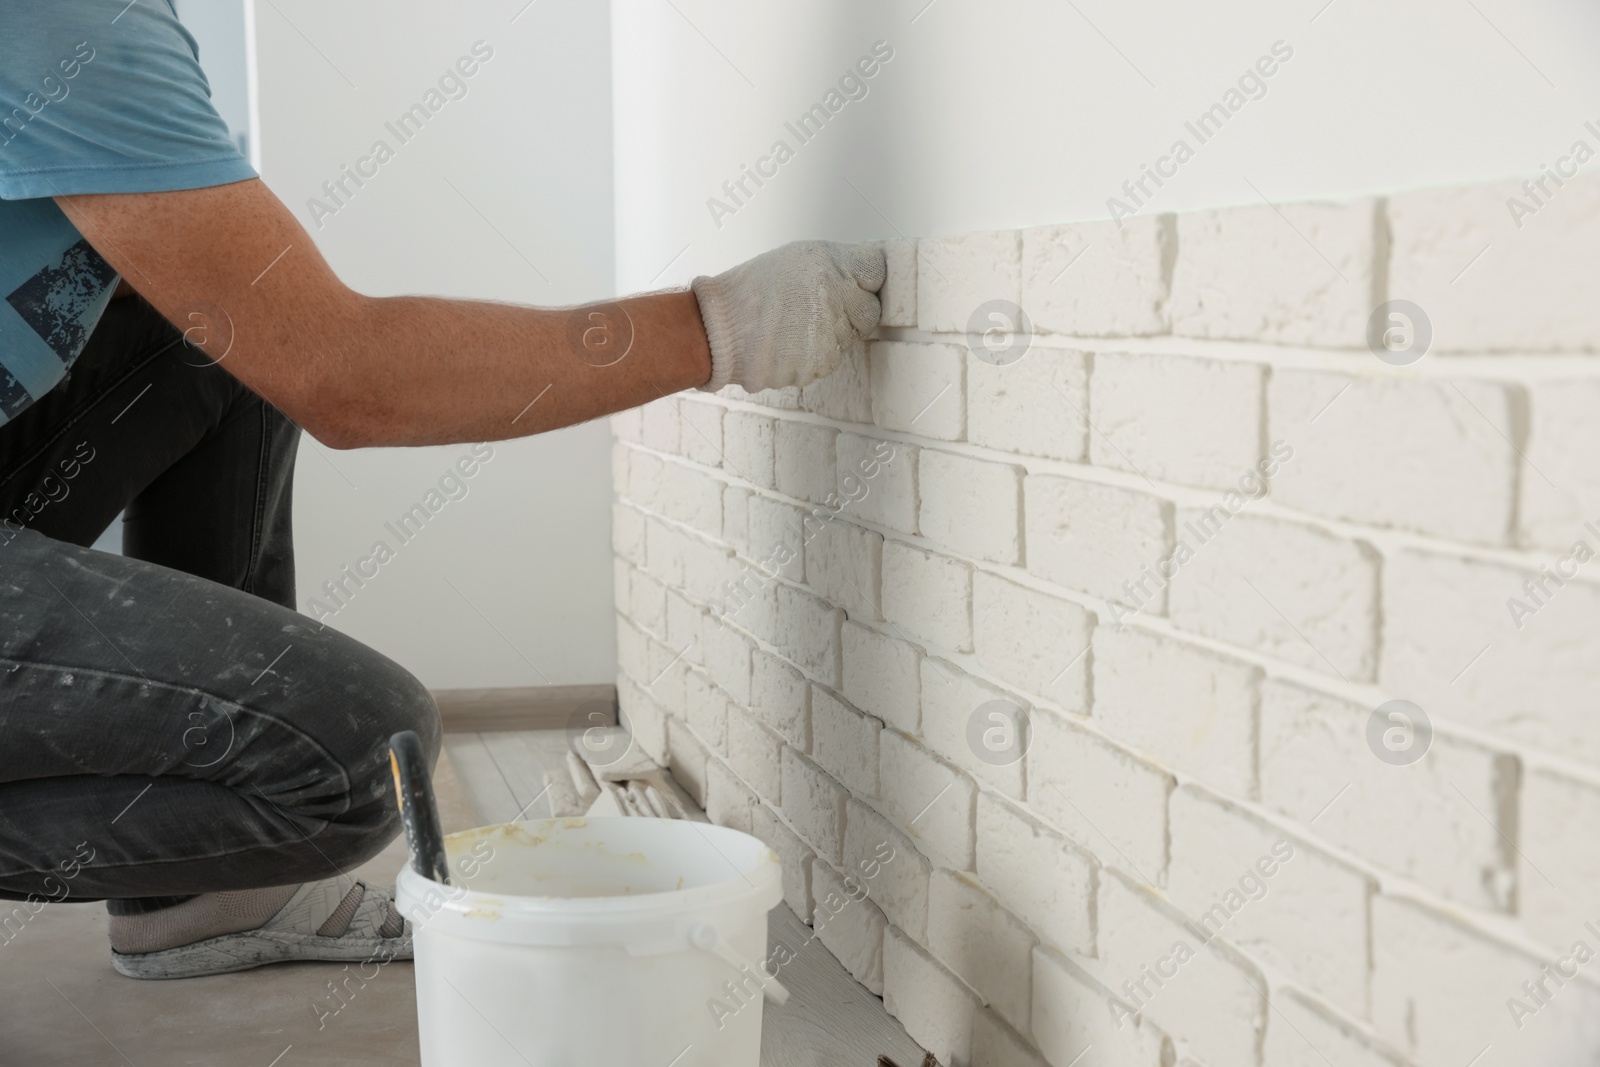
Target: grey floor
(63, 1004)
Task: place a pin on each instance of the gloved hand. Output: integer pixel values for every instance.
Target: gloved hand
(789, 316)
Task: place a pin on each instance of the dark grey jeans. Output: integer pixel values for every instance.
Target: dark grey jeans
(169, 724)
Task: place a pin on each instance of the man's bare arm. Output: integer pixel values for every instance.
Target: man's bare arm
(232, 267)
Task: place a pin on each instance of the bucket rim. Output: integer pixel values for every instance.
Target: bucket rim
(763, 880)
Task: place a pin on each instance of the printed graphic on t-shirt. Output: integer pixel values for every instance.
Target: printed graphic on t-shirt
(13, 397)
(56, 301)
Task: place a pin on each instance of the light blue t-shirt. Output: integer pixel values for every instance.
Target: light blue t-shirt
(96, 96)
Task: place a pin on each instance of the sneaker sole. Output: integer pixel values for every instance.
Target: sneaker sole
(252, 948)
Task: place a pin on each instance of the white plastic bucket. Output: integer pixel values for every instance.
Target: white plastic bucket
(601, 942)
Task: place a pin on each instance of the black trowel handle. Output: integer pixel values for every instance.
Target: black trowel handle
(413, 787)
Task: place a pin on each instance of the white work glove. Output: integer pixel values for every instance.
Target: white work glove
(789, 316)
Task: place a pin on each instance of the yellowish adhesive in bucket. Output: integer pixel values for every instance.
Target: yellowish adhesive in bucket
(594, 942)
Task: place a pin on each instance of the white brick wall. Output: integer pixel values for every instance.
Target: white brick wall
(1026, 533)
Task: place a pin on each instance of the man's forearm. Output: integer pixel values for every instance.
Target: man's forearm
(422, 370)
(232, 268)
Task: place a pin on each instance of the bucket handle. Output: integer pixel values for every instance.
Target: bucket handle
(704, 936)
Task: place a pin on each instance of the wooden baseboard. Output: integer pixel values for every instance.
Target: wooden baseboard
(535, 707)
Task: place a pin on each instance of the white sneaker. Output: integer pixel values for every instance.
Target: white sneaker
(291, 934)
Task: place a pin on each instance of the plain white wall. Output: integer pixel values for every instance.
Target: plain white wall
(1011, 113)
(512, 584)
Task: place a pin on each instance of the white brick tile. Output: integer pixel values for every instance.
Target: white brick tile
(845, 742)
(1247, 882)
(633, 651)
(971, 506)
(1177, 418)
(669, 678)
(934, 1006)
(970, 933)
(746, 599)
(894, 872)
(951, 699)
(621, 585)
(1031, 640)
(1316, 764)
(1099, 279)
(728, 800)
(684, 622)
(889, 472)
(795, 858)
(1530, 291)
(665, 548)
(1110, 803)
(777, 537)
(808, 633)
(747, 447)
(1420, 454)
(727, 654)
(849, 924)
(957, 274)
(1036, 875)
(1292, 273)
(1207, 724)
(736, 518)
(661, 425)
(928, 596)
(756, 755)
(1451, 646)
(1560, 483)
(844, 565)
(994, 1044)
(1071, 1015)
(881, 677)
(930, 801)
(628, 425)
(1100, 539)
(846, 394)
(690, 496)
(1440, 992)
(644, 479)
(707, 710)
(627, 534)
(701, 430)
(1303, 1032)
(803, 460)
(1280, 588)
(686, 757)
(1036, 406)
(779, 697)
(814, 803)
(899, 294)
(1209, 995)
(1558, 861)
(919, 388)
